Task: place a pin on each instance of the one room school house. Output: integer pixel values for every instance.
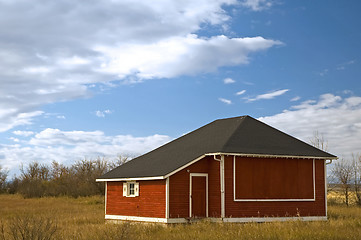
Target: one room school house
(232, 170)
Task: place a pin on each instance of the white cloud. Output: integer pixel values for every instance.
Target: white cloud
(99, 113)
(295, 99)
(23, 133)
(269, 95)
(228, 81)
(240, 92)
(257, 5)
(80, 46)
(226, 101)
(14, 118)
(69, 146)
(323, 72)
(177, 56)
(14, 139)
(342, 66)
(337, 118)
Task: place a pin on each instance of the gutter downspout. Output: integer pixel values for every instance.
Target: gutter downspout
(328, 162)
(221, 168)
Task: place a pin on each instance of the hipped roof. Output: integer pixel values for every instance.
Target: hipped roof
(240, 135)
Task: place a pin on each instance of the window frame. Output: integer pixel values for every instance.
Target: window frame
(129, 191)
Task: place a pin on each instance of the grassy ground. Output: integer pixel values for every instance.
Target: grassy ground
(82, 218)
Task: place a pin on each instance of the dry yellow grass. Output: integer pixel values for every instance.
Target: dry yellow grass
(83, 218)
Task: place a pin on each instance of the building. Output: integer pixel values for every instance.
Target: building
(232, 170)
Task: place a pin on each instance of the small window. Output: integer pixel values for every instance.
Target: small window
(130, 189)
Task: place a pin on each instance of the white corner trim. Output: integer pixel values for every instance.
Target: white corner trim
(314, 179)
(278, 199)
(167, 198)
(130, 179)
(325, 176)
(223, 187)
(105, 198)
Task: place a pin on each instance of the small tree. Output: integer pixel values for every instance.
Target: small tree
(356, 160)
(33, 180)
(3, 176)
(343, 172)
(318, 141)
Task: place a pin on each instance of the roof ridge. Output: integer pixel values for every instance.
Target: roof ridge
(242, 118)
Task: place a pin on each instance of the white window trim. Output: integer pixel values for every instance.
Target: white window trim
(278, 199)
(190, 191)
(127, 185)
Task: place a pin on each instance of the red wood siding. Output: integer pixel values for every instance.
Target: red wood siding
(179, 188)
(274, 178)
(151, 201)
(276, 209)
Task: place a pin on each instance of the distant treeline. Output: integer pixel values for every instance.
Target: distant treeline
(39, 180)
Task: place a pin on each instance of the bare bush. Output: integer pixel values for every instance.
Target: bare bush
(38, 180)
(343, 172)
(33, 180)
(28, 227)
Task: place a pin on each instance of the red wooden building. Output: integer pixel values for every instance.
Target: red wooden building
(232, 170)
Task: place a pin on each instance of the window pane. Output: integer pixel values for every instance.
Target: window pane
(131, 188)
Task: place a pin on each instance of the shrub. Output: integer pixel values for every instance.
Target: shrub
(29, 227)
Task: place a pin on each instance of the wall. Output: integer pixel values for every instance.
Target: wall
(280, 209)
(179, 188)
(151, 201)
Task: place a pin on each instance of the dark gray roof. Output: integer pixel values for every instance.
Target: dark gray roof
(241, 135)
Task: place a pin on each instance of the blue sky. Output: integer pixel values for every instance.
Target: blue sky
(108, 78)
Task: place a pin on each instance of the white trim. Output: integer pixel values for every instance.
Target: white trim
(231, 220)
(184, 166)
(105, 198)
(190, 191)
(275, 219)
(268, 155)
(325, 176)
(223, 197)
(314, 179)
(274, 200)
(134, 218)
(167, 198)
(130, 179)
(234, 178)
(128, 189)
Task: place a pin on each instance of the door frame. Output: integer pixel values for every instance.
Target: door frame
(190, 191)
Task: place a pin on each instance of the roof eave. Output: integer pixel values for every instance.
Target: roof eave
(129, 179)
(270, 155)
(211, 154)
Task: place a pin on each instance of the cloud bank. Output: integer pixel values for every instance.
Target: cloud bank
(337, 118)
(53, 51)
(69, 146)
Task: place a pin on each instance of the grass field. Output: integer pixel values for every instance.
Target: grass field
(83, 218)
